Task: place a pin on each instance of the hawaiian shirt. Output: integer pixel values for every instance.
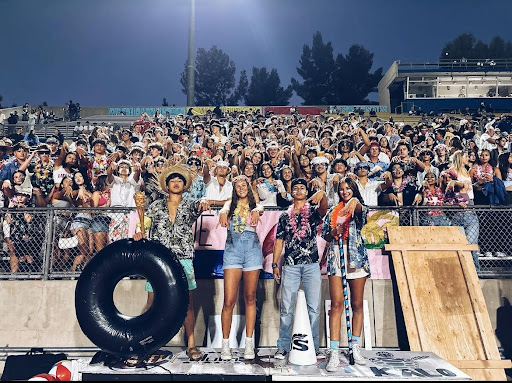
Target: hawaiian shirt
(177, 236)
(42, 176)
(297, 252)
(197, 190)
(97, 166)
(357, 254)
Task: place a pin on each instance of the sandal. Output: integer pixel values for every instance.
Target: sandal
(194, 354)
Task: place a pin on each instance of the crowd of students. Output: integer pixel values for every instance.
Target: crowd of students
(435, 162)
(323, 171)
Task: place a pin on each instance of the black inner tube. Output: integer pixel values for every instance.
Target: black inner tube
(105, 325)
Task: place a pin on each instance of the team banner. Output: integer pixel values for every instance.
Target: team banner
(380, 365)
(355, 108)
(314, 110)
(137, 111)
(242, 109)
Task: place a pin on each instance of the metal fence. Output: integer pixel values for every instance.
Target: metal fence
(53, 243)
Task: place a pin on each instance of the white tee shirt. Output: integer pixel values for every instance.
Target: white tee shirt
(121, 193)
(213, 191)
(484, 144)
(370, 192)
(60, 174)
(382, 158)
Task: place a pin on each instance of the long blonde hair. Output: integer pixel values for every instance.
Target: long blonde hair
(457, 162)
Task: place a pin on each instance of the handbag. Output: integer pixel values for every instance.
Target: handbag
(66, 241)
(24, 367)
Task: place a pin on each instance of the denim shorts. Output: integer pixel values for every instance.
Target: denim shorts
(188, 266)
(243, 251)
(100, 224)
(81, 220)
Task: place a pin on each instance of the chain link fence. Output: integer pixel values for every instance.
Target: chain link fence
(52, 243)
(488, 226)
(55, 243)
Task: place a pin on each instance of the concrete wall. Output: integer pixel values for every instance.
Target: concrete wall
(384, 83)
(42, 313)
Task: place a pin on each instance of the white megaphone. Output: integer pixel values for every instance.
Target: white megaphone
(302, 347)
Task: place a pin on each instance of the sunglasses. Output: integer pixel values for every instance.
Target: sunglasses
(345, 143)
(197, 163)
(44, 152)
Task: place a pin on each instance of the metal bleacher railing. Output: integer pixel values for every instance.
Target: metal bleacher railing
(41, 243)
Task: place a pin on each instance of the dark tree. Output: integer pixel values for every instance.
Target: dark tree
(353, 80)
(266, 89)
(466, 46)
(214, 80)
(45, 103)
(317, 66)
(346, 80)
(1, 98)
(241, 90)
(164, 102)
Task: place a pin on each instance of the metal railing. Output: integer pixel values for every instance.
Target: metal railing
(53, 243)
(474, 64)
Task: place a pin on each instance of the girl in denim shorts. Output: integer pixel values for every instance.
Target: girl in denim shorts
(242, 256)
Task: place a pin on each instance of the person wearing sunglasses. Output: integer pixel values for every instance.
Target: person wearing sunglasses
(41, 170)
(198, 188)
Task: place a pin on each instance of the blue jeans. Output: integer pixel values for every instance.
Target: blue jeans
(290, 281)
(468, 221)
(435, 220)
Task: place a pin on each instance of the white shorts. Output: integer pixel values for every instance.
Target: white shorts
(351, 273)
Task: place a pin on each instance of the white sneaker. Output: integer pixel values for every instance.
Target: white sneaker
(500, 254)
(488, 254)
(320, 354)
(334, 361)
(225, 353)
(249, 349)
(280, 354)
(356, 351)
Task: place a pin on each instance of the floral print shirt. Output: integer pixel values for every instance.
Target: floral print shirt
(96, 166)
(42, 176)
(197, 190)
(357, 254)
(177, 236)
(299, 252)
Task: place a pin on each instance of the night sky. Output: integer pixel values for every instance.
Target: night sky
(131, 52)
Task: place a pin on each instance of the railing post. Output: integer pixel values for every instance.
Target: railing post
(415, 217)
(49, 243)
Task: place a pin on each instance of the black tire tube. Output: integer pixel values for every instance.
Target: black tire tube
(119, 334)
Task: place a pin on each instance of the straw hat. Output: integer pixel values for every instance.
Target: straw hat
(178, 169)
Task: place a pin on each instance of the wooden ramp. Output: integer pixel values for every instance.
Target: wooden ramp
(442, 301)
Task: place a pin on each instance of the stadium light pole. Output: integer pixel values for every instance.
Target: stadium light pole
(191, 60)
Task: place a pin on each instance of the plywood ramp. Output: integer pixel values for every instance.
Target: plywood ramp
(442, 301)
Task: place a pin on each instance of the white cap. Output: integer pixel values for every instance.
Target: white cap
(223, 163)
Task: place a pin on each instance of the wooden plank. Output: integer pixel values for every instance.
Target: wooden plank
(406, 302)
(491, 374)
(414, 302)
(479, 308)
(430, 247)
(477, 364)
(443, 305)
